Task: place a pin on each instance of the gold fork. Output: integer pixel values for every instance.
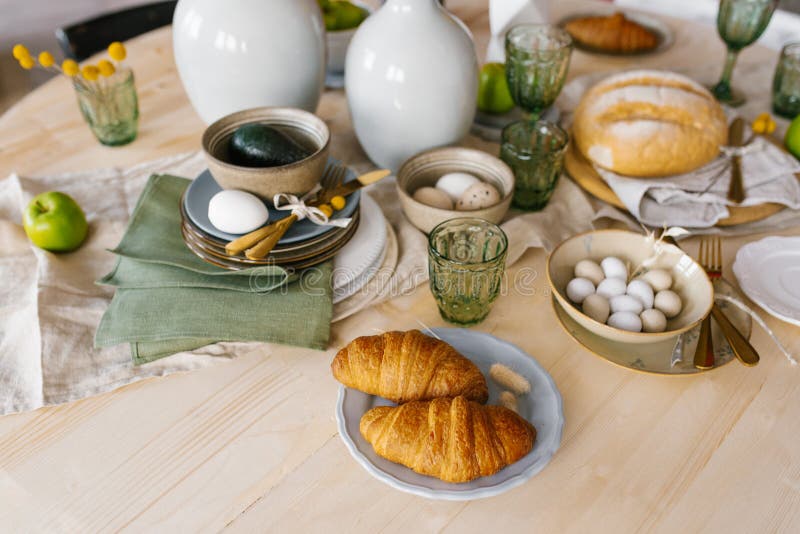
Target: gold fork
(258, 243)
(710, 257)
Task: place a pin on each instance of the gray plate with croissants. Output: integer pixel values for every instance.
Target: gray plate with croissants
(449, 414)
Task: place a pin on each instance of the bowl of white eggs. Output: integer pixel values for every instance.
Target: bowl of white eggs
(446, 183)
(627, 287)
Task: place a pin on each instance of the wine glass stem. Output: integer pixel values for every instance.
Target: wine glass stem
(532, 116)
(727, 71)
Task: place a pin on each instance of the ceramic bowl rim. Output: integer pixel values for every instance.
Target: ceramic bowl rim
(502, 166)
(610, 330)
(343, 33)
(261, 115)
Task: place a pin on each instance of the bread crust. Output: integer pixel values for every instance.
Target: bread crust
(649, 124)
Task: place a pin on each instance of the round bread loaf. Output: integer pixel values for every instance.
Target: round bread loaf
(649, 123)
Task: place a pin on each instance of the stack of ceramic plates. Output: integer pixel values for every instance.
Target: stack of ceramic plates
(304, 244)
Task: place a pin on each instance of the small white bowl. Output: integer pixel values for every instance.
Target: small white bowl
(690, 280)
(338, 41)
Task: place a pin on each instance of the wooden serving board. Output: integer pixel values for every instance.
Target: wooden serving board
(583, 173)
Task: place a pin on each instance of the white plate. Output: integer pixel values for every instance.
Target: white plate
(769, 273)
(542, 407)
(364, 249)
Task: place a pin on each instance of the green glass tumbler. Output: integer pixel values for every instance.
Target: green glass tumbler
(466, 263)
(786, 83)
(740, 23)
(110, 107)
(535, 152)
(537, 61)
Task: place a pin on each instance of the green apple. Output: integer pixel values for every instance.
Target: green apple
(792, 139)
(493, 93)
(55, 222)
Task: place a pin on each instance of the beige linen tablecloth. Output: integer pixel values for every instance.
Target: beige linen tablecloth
(50, 305)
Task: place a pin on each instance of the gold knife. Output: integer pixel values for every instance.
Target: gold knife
(736, 140)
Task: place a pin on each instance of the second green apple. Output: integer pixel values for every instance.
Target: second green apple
(493, 93)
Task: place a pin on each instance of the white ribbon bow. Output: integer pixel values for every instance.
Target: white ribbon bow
(287, 202)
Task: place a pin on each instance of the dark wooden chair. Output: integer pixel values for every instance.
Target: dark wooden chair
(81, 40)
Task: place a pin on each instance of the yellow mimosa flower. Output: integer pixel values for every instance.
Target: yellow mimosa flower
(20, 51)
(106, 68)
(763, 124)
(90, 72)
(338, 202)
(326, 209)
(70, 68)
(46, 59)
(117, 51)
(27, 63)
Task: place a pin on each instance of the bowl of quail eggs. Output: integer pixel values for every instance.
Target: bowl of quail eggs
(445, 183)
(629, 287)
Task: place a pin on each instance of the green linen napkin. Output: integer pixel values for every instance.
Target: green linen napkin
(168, 300)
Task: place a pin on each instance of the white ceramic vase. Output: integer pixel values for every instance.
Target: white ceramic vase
(411, 78)
(241, 54)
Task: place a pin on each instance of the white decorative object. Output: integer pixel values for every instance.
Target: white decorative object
(242, 54)
(411, 78)
(237, 212)
(503, 14)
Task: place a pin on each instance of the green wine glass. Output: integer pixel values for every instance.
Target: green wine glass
(537, 60)
(740, 23)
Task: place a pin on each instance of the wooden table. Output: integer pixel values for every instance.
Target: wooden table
(252, 444)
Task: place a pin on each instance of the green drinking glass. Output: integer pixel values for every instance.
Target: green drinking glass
(537, 61)
(740, 23)
(535, 152)
(110, 107)
(786, 83)
(466, 263)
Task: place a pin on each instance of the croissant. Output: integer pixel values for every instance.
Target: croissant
(406, 366)
(455, 440)
(614, 33)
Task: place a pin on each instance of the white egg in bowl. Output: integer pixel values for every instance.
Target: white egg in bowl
(637, 251)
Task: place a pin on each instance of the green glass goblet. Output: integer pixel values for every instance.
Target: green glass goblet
(110, 107)
(740, 23)
(786, 82)
(466, 262)
(537, 60)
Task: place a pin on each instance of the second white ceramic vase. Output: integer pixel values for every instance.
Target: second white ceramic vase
(241, 54)
(411, 78)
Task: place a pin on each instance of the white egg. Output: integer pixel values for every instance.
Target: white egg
(668, 302)
(625, 321)
(625, 303)
(611, 287)
(478, 196)
(659, 279)
(596, 307)
(653, 321)
(436, 198)
(455, 183)
(236, 212)
(614, 268)
(578, 289)
(590, 270)
(642, 291)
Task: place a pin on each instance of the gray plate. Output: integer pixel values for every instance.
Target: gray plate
(542, 407)
(202, 188)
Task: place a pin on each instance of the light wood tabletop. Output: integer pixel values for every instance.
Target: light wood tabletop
(252, 445)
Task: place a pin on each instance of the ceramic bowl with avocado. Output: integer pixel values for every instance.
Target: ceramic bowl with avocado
(267, 151)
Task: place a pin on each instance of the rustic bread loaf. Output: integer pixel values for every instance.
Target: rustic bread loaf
(649, 123)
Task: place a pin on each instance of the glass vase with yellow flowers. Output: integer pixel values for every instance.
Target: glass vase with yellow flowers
(106, 91)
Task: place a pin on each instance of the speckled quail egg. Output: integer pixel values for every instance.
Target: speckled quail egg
(614, 267)
(478, 196)
(596, 307)
(625, 321)
(668, 302)
(642, 291)
(611, 287)
(590, 270)
(455, 183)
(578, 289)
(653, 320)
(659, 279)
(625, 303)
(236, 212)
(435, 198)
